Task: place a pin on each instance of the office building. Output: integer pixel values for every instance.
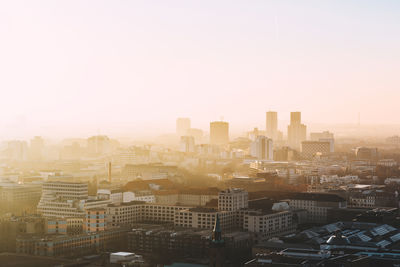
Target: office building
(316, 205)
(219, 133)
(19, 198)
(325, 136)
(182, 126)
(233, 199)
(297, 132)
(262, 148)
(56, 226)
(204, 218)
(71, 245)
(269, 224)
(66, 190)
(272, 125)
(127, 214)
(69, 200)
(312, 148)
(95, 220)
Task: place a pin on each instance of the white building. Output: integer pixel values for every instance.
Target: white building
(66, 190)
(262, 148)
(69, 200)
(145, 196)
(233, 199)
(115, 196)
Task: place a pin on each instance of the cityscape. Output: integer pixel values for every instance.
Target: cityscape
(199, 133)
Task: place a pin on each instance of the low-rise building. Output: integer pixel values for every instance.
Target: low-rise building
(268, 225)
(316, 204)
(204, 218)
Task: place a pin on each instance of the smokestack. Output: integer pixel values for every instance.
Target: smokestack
(109, 172)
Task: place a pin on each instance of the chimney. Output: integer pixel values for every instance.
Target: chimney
(109, 172)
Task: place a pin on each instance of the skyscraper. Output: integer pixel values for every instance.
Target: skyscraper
(182, 126)
(297, 132)
(272, 124)
(219, 133)
(295, 117)
(262, 148)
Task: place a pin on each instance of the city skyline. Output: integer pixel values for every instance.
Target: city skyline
(115, 69)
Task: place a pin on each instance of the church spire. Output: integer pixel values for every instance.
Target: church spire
(217, 232)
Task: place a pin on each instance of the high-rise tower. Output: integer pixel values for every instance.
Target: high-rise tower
(272, 124)
(219, 133)
(297, 132)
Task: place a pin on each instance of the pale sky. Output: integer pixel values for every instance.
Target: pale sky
(83, 67)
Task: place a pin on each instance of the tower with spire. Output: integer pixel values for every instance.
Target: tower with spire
(217, 245)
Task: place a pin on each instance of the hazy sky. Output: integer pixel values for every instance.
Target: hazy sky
(111, 66)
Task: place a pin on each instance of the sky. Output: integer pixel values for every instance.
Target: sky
(80, 67)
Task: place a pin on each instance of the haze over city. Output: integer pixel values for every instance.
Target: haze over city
(72, 67)
(171, 133)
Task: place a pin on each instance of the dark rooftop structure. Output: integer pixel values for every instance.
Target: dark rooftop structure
(317, 197)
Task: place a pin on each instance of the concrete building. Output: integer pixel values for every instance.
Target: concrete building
(115, 196)
(219, 133)
(312, 148)
(19, 198)
(316, 205)
(65, 190)
(270, 224)
(204, 218)
(127, 214)
(272, 125)
(262, 148)
(233, 199)
(297, 132)
(56, 226)
(145, 196)
(71, 245)
(69, 200)
(95, 220)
